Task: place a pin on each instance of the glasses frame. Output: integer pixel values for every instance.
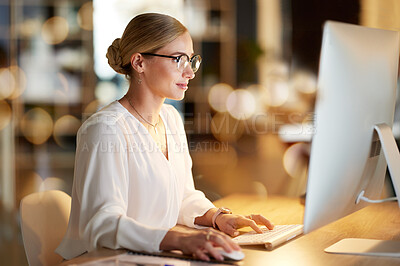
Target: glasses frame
(178, 58)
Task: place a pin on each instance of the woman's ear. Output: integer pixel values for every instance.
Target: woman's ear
(137, 62)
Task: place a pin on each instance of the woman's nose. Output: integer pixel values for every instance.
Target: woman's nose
(188, 72)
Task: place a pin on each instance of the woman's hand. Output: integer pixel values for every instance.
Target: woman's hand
(229, 223)
(199, 243)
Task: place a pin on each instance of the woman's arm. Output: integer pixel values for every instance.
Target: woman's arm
(206, 219)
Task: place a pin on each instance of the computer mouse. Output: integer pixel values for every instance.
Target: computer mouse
(234, 255)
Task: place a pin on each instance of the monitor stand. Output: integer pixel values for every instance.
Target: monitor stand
(392, 155)
(374, 247)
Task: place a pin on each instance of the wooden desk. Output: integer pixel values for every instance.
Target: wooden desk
(379, 221)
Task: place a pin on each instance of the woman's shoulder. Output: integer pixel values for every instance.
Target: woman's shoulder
(170, 111)
(109, 115)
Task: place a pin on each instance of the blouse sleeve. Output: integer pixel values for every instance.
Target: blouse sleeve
(101, 187)
(195, 203)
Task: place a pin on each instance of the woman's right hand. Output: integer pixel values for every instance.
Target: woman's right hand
(199, 243)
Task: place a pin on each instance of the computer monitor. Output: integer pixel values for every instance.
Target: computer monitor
(354, 114)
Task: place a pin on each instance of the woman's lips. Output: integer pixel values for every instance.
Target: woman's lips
(183, 86)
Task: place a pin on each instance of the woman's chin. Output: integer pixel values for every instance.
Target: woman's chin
(177, 97)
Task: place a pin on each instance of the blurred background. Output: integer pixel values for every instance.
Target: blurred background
(248, 113)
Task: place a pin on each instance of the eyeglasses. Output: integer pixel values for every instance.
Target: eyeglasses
(183, 61)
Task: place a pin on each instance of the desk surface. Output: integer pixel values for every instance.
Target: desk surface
(379, 221)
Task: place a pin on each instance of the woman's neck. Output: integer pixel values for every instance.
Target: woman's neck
(143, 103)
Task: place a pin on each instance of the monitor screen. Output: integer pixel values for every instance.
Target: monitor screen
(356, 90)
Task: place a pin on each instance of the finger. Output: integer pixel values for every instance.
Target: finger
(201, 255)
(210, 232)
(252, 224)
(233, 232)
(259, 219)
(232, 244)
(214, 252)
(248, 221)
(229, 230)
(229, 226)
(223, 240)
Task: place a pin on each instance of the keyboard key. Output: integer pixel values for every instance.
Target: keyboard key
(271, 238)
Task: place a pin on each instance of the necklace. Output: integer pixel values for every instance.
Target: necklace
(144, 119)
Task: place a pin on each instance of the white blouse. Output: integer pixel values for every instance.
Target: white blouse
(125, 193)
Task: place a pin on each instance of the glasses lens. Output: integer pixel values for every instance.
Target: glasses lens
(183, 62)
(195, 63)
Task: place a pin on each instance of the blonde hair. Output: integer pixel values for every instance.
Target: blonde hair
(145, 33)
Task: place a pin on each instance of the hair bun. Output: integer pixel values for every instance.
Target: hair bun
(114, 56)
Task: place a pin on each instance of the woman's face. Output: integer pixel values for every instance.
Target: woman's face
(161, 74)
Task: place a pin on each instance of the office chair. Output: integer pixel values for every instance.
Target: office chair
(44, 221)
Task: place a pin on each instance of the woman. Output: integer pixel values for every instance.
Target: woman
(133, 182)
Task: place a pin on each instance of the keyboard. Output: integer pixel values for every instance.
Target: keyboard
(270, 238)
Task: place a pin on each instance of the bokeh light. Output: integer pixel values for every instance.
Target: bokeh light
(276, 68)
(106, 92)
(226, 128)
(7, 83)
(65, 126)
(218, 95)
(36, 125)
(55, 30)
(241, 104)
(259, 189)
(5, 114)
(295, 160)
(20, 81)
(91, 108)
(12, 82)
(261, 95)
(304, 82)
(278, 91)
(29, 27)
(85, 16)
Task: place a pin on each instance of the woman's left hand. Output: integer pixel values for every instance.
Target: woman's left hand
(229, 223)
